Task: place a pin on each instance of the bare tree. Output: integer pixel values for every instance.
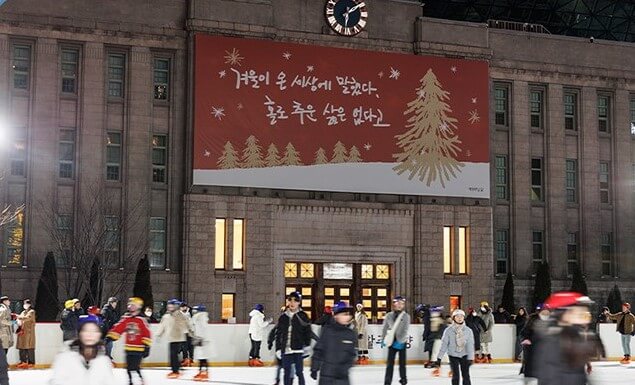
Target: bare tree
(98, 246)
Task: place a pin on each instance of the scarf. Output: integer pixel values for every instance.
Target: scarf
(459, 330)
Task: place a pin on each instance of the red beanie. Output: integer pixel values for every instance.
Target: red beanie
(628, 305)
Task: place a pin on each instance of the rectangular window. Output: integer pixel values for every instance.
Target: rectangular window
(64, 233)
(501, 105)
(112, 240)
(538, 249)
(220, 244)
(571, 180)
(227, 306)
(161, 78)
(17, 157)
(455, 302)
(571, 111)
(157, 242)
(159, 158)
(116, 75)
(464, 250)
(502, 251)
(632, 108)
(70, 63)
(605, 183)
(14, 240)
(67, 154)
(535, 109)
(502, 190)
(606, 249)
(572, 252)
(536, 180)
(113, 156)
(238, 254)
(21, 66)
(604, 113)
(448, 252)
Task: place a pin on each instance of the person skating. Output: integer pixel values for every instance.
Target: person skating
(361, 325)
(270, 341)
(85, 361)
(458, 343)
(187, 348)
(394, 335)
(433, 334)
(520, 320)
(531, 336)
(485, 313)
(201, 341)
(257, 326)
(626, 327)
(334, 353)
(110, 317)
(138, 337)
(6, 324)
(26, 336)
(175, 325)
(68, 322)
(293, 335)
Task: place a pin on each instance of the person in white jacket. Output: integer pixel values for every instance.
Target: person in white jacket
(201, 341)
(257, 326)
(85, 361)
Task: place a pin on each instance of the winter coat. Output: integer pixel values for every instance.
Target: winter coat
(502, 318)
(138, 336)
(361, 325)
(69, 368)
(110, 317)
(448, 343)
(26, 337)
(6, 327)
(334, 354)
(425, 319)
(69, 322)
(199, 326)
(551, 366)
(476, 324)
(534, 331)
(4, 367)
(437, 326)
(520, 324)
(488, 320)
(401, 331)
(300, 332)
(629, 322)
(325, 319)
(257, 325)
(176, 325)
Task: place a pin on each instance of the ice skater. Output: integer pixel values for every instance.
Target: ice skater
(394, 335)
(458, 343)
(201, 342)
(293, 335)
(432, 334)
(361, 325)
(485, 313)
(176, 325)
(625, 327)
(257, 327)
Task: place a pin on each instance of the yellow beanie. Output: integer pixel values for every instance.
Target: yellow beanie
(135, 301)
(69, 304)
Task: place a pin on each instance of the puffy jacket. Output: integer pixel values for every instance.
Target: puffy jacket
(300, 331)
(257, 325)
(138, 336)
(488, 320)
(199, 325)
(448, 342)
(69, 368)
(68, 323)
(334, 353)
(629, 321)
(176, 325)
(110, 317)
(361, 325)
(401, 331)
(551, 364)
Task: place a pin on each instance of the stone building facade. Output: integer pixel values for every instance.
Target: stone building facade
(561, 157)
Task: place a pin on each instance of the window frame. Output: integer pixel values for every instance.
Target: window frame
(571, 175)
(119, 164)
(156, 84)
(220, 238)
(607, 117)
(238, 258)
(536, 108)
(574, 105)
(448, 250)
(605, 191)
(111, 78)
(153, 232)
(110, 230)
(541, 187)
(29, 66)
(502, 245)
(158, 168)
(606, 250)
(464, 250)
(503, 101)
(632, 112)
(233, 307)
(535, 262)
(18, 158)
(75, 78)
(501, 185)
(71, 162)
(573, 243)
(64, 230)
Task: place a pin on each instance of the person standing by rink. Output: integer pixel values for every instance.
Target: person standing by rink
(562, 356)
(175, 324)
(26, 336)
(458, 343)
(394, 335)
(110, 317)
(530, 337)
(485, 314)
(520, 320)
(257, 327)
(626, 327)
(292, 336)
(6, 324)
(334, 353)
(201, 341)
(361, 325)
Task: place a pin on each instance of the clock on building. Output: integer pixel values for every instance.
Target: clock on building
(346, 17)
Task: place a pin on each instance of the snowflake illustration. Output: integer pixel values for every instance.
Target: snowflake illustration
(309, 68)
(218, 112)
(474, 118)
(473, 100)
(207, 154)
(287, 55)
(368, 146)
(444, 127)
(381, 74)
(221, 74)
(453, 69)
(394, 73)
(233, 57)
(240, 106)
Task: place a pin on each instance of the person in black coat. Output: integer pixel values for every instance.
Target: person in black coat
(422, 312)
(502, 316)
(335, 351)
(110, 316)
(435, 332)
(476, 324)
(326, 318)
(291, 350)
(4, 367)
(520, 320)
(531, 336)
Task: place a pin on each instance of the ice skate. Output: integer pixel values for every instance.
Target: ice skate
(173, 375)
(202, 377)
(436, 372)
(258, 363)
(626, 360)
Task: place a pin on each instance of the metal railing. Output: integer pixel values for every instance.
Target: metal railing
(517, 26)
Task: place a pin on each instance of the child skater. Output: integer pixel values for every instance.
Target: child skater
(458, 342)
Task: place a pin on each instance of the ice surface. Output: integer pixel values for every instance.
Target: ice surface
(605, 373)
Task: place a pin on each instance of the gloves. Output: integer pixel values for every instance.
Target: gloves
(146, 352)
(314, 374)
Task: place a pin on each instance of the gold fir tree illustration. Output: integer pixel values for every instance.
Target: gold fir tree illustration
(273, 159)
(252, 154)
(430, 146)
(354, 156)
(229, 157)
(320, 157)
(291, 156)
(339, 153)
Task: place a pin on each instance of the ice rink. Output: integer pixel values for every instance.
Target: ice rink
(608, 373)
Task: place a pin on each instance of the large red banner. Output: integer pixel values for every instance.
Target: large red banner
(279, 115)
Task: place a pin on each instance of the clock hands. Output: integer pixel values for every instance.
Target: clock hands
(355, 8)
(346, 18)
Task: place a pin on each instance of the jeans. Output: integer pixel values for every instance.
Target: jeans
(392, 352)
(289, 360)
(175, 364)
(460, 367)
(109, 347)
(255, 348)
(626, 344)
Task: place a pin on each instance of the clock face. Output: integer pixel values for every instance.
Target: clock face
(346, 17)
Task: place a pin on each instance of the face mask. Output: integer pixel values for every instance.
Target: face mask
(148, 313)
(27, 307)
(474, 314)
(544, 317)
(483, 309)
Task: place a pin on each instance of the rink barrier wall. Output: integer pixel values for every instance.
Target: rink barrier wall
(231, 345)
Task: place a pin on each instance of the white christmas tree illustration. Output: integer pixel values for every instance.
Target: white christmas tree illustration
(320, 157)
(273, 159)
(354, 156)
(430, 146)
(339, 153)
(229, 157)
(252, 155)
(291, 156)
